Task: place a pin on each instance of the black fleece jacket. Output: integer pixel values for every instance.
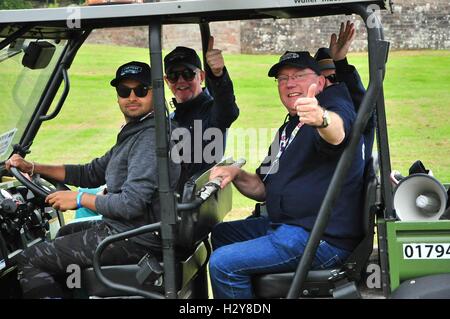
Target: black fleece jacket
(215, 110)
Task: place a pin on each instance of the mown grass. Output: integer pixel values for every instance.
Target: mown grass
(417, 91)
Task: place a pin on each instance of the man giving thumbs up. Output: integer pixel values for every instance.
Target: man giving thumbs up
(292, 180)
(196, 109)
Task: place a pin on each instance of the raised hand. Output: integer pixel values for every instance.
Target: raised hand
(339, 46)
(214, 58)
(308, 108)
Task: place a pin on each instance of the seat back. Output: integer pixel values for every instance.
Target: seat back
(357, 261)
(195, 225)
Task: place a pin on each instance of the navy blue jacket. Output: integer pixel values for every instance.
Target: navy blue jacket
(347, 74)
(218, 112)
(295, 192)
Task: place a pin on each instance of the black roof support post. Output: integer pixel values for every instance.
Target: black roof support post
(377, 63)
(166, 194)
(376, 72)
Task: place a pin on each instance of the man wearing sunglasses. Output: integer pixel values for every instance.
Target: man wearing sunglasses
(129, 171)
(334, 66)
(197, 109)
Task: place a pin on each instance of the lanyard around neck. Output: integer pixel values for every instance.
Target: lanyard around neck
(284, 144)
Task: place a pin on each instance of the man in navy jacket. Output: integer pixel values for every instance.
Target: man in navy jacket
(293, 180)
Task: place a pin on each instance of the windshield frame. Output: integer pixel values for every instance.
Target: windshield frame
(22, 90)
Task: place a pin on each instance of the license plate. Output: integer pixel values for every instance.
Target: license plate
(426, 251)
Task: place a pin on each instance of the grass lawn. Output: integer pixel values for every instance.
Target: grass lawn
(417, 91)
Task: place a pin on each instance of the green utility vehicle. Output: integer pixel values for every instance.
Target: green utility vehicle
(37, 48)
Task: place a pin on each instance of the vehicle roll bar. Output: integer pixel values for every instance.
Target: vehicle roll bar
(117, 237)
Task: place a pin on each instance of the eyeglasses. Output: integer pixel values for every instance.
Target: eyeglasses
(139, 91)
(283, 79)
(187, 74)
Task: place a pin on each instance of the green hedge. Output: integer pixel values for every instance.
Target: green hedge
(14, 4)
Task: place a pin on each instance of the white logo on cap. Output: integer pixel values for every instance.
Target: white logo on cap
(290, 55)
(132, 69)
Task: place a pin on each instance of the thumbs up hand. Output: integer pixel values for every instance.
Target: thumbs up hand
(308, 108)
(214, 58)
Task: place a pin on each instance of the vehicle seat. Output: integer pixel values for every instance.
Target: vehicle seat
(192, 248)
(321, 283)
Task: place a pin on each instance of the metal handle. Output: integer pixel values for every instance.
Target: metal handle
(214, 185)
(62, 99)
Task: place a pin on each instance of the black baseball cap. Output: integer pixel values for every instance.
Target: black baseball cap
(182, 56)
(299, 59)
(324, 59)
(134, 70)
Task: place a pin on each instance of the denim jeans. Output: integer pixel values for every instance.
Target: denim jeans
(253, 246)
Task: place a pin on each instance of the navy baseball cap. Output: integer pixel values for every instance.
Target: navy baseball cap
(324, 59)
(299, 59)
(134, 70)
(182, 56)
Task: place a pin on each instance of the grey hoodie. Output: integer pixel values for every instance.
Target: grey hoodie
(130, 173)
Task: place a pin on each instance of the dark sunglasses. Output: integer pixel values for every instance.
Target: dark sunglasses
(332, 78)
(187, 74)
(139, 91)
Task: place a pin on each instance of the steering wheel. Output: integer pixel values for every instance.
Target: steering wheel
(38, 185)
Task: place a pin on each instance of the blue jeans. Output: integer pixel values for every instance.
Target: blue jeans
(252, 246)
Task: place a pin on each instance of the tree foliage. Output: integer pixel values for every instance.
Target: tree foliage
(25, 4)
(14, 4)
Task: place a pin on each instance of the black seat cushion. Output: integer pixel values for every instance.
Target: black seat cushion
(269, 286)
(123, 274)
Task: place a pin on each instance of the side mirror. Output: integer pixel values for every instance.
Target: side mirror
(38, 55)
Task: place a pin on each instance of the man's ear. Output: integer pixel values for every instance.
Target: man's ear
(202, 75)
(321, 83)
(165, 79)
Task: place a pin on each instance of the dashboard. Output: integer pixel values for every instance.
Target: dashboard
(24, 220)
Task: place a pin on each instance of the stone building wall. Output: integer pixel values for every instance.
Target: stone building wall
(418, 24)
(227, 36)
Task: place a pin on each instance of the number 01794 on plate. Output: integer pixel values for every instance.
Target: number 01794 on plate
(426, 251)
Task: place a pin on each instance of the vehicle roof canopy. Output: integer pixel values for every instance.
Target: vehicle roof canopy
(53, 23)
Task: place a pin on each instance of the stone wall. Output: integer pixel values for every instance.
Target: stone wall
(130, 36)
(227, 36)
(419, 24)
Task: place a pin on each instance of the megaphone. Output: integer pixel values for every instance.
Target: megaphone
(420, 197)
